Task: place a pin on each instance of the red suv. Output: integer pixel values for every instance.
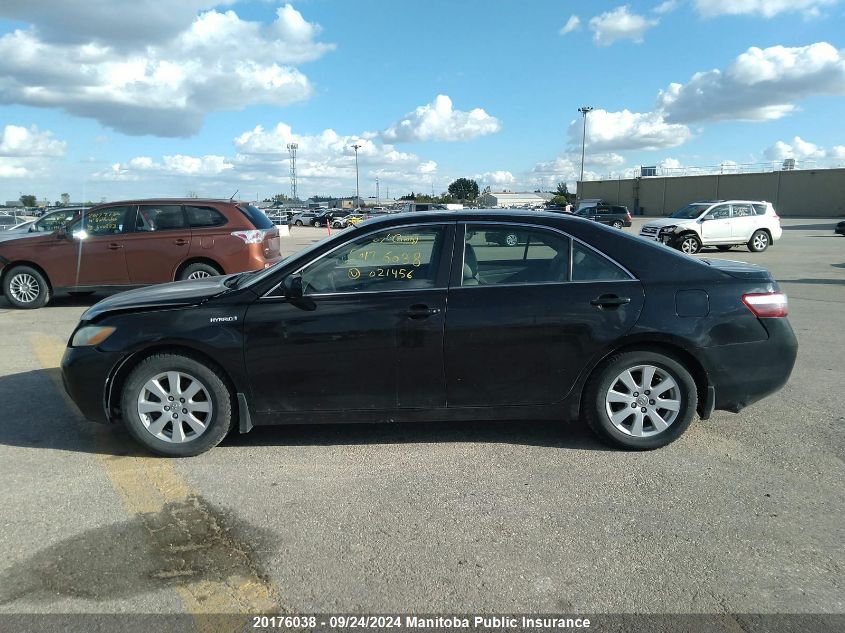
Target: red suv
(136, 243)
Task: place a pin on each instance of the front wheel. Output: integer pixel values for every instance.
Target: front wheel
(689, 244)
(511, 239)
(640, 400)
(759, 242)
(298, 223)
(176, 406)
(26, 288)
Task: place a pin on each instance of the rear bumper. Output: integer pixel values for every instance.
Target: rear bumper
(744, 373)
(85, 372)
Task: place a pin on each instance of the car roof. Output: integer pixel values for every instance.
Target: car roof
(172, 201)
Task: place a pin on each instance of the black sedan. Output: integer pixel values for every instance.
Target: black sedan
(840, 228)
(419, 317)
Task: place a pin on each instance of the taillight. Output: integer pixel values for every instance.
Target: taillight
(250, 237)
(766, 304)
(628, 215)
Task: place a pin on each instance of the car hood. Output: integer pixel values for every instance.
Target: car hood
(661, 222)
(739, 270)
(171, 295)
(19, 234)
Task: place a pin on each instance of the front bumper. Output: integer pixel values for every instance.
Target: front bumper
(85, 374)
(744, 373)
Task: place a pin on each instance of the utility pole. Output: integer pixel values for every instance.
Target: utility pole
(378, 197)
(585, 110)
(356, 147)
(292, 147)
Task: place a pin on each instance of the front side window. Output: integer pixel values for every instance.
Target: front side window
(160, 218)
(588, 265)
(107, 221)
(403, 258)
(499, 254)
(54, 221)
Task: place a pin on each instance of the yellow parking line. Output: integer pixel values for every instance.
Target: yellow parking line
(150, 488)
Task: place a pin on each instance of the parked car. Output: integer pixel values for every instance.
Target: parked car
(137, 243)
(840, 228)
(301, 219)
(719, 223)
(323, 218)
(613, 215)
(588, 202)
(586, 322)
(45, 224)
(7, 222)
(348, 220)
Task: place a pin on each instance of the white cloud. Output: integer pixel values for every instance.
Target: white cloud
(666, 7)
(619, 24)
(438, 121)
(670, 163)
(763, 8)
(144, 167)
(572, 24)
(760, 85)
(218, 62)
(625, 130)
(499, 177)
(837, 152)
(25, 152)
(799, 149)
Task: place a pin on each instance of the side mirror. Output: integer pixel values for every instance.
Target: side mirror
(707, 217)
(293, 287)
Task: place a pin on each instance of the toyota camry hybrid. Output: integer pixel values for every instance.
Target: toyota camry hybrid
(426, 317)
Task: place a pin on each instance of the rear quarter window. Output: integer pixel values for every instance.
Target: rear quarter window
(760, 209)
(202, 217)
(254, 214)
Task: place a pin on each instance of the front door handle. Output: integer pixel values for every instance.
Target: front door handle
(610, 301)
(180, 242)
(419, 312)
(114, 247)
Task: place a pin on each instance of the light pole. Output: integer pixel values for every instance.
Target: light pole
(585, 110)
(357, 189)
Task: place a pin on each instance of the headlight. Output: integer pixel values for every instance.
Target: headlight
(669, 229)
(91, 335)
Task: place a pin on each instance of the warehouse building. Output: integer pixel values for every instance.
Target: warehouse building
(506, 199)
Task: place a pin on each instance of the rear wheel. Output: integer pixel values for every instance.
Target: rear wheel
(298, 223)
(640, 400)
(26, 288)
(511, 239)
(617, 224)
(198, 270)
(759, 242)
(176, 406)
(689, 244)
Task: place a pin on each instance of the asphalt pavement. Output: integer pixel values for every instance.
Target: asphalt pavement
(743, 514)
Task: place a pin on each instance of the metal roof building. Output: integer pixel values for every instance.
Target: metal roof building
(505, 199)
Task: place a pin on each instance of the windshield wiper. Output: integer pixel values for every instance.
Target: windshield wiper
(235, 280)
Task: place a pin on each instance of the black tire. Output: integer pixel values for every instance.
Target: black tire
(22, 282)
(617, 224)
(759, 241)
(688, 243)
(221, 418)
(595, 405)
(298, 223)
(511, 239)
(198, 270)
(726, 247)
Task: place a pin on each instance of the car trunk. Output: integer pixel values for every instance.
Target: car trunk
(739, 270)
(271, 244)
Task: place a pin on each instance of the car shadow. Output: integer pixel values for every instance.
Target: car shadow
(822, 226)
(37, 415)
(821, 282)
(62, 301)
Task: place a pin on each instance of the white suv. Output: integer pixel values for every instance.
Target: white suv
(720, 223)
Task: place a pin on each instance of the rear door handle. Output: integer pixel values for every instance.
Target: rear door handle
(419, 312)
(114, 247)
(610, 301)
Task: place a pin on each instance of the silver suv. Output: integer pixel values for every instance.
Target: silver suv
(719, 223)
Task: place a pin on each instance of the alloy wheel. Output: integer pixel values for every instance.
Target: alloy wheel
(511, 240)
(617, 225)
(643, 401)
(761, 241)
(175, 407)
(690, 245)
(199, 274)
(24, 288)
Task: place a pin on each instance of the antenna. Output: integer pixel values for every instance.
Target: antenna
(292, 147)
(234, 194)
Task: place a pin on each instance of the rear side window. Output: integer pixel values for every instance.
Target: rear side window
(258, 219)
(165, 217)
(742, 210)
(587, 265)
(200, 217)
(760, 209)
(620, 210)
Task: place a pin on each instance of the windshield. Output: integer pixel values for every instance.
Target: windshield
(690, 212)
(258, 276)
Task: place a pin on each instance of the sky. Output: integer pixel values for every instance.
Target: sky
(111, 99)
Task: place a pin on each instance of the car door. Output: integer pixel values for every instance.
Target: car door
(97, 256)
(603, 215)
(716, 225)
(158, 242)
(744, 221)
(524, 320)
(367, 333)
